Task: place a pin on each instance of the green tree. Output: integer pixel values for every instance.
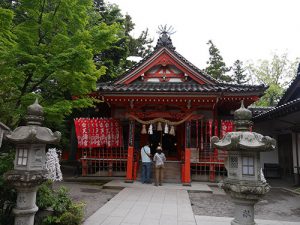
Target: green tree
(216, 66)
(47, 50)
(239, 73)
(275, 73)
(115, 58)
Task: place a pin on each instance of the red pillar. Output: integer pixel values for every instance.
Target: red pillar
(187, 156)
(129, 177)
(84, 167)
(129, 172)
(187, 167)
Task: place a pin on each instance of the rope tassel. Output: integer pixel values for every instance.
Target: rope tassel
(172, 131)
(150, 131)
(166, 129)
(144, 130)
(159, 128)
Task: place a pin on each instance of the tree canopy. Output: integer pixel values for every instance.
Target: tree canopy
(115, 58)
(216, 65)
(239, 75)
(48, 49)
(275, 73)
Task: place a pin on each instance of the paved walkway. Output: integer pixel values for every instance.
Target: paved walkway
(195, 187)
(146, 206)
(209, 220)
(140, 204)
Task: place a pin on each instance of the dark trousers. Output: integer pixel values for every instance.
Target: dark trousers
(146, 172)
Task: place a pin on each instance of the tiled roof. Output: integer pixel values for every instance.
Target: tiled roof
(170, 48)
(290, 88)
(256, 110)
(148, 87)
(278, 111)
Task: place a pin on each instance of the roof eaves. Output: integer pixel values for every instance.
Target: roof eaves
(278, 110)
(292, 85)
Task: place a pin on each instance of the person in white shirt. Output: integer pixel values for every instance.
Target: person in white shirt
(159, 159)
(146, 164)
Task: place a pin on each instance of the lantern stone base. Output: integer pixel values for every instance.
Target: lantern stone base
(25, 216)
(26, 183)
(244, 194)
(244, 212)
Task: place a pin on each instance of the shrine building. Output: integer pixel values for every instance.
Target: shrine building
(166, 100)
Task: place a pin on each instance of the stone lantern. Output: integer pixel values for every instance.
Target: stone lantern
(29, 165)
(245, 182)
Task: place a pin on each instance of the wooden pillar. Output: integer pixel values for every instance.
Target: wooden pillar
(84, 167)
(214, 156)
(187, 155)
(129, 173)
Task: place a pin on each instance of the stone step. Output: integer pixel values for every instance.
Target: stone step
(172, 172)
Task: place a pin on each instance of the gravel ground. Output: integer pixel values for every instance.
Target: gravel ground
(91, 194)
(278, 204)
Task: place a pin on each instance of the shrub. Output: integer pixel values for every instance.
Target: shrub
(8, 195)
(45, 196)
(65, 212)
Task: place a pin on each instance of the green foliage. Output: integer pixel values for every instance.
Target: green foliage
(65, 212)
(275, 73)
(47, 51)
(7, 194)
(216, 66)
(115, 57)
(57, 50)
(45, 196)
(239, 76)
(73, 216)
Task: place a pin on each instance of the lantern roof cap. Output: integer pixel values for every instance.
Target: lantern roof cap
(243, 139)
(33, 132)
(35, 113)
(242, 113)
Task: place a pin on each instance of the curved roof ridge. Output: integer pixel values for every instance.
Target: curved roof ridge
(242, 85)
(293, 83)
(272, 111)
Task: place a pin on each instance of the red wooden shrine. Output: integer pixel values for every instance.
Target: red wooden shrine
(167, 92)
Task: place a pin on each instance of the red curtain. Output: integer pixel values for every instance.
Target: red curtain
(226, 126)
(98, 132)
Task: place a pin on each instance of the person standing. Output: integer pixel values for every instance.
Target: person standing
(146, 164)
(159, 159)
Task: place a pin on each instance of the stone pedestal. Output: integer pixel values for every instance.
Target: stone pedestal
(29, 165)
(26, 184)
(244, 212)
(245, 183)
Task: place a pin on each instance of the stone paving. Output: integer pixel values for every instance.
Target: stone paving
(169, 204)
(278, 205)
(146, 206)
(210, 220)
(196, 187)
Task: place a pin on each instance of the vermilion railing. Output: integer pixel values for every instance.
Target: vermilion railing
(104, 162)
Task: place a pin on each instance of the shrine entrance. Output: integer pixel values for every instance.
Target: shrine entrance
(168, 142)
(165, 88)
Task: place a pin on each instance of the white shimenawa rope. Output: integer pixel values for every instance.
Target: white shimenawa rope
(53, 166)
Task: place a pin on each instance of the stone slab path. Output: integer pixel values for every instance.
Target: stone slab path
(146, 206)
(196, 186)
(142, 204)
(210, 220)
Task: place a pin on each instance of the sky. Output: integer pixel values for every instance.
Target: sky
(240, 29)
